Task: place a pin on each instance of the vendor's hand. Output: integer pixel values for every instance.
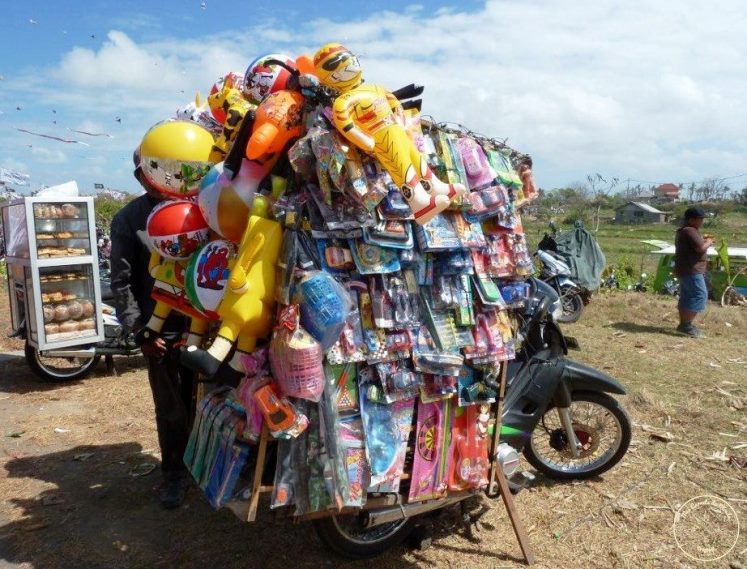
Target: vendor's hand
(154, 347)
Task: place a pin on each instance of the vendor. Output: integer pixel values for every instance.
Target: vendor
(690, 261)
(170, 383)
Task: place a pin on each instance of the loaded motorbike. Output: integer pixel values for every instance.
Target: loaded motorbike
(557, 412)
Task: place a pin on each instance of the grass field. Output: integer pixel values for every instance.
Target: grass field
(622, 243)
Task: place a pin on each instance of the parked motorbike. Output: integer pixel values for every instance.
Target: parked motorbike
(556, 411)
(556, 272)
(68, 364)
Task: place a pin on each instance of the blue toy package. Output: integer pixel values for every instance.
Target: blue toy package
(325, 306)
(515, 293)
(371, 259)
(438, 234)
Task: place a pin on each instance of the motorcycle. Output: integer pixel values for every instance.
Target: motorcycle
(68, 364)
(556, 272)
(556, 411)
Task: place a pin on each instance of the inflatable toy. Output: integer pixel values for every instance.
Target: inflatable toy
(174, 156)
(218, 111)
(371, 118)
(262, 77)
(176, 229)
(246, 310)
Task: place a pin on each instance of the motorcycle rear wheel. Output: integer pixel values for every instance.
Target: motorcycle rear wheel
(556, 462)
(58, 370)
(573, 305)
(346, 535)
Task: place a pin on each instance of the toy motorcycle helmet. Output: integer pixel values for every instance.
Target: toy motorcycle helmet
(262, 78)
(174, 157)
(337, 67)
(176, 229)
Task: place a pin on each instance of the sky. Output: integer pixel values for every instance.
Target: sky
(644, 91)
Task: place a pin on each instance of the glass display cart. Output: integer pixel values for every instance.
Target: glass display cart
(53, 271)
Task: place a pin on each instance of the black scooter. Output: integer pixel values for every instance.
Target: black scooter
(558, 411)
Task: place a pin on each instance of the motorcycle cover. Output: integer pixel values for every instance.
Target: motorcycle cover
(583, 254)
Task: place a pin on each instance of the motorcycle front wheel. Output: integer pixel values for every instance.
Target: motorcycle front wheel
(52, 369)
(602, 428)
(348, 537)
(573, 305)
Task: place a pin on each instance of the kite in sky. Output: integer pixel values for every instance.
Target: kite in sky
(68, 141)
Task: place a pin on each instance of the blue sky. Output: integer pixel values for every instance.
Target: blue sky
(651, 93)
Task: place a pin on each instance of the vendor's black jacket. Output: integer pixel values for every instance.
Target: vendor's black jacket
(131, 282)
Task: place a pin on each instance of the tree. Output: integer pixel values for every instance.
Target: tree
(600, 190)
(711, 189)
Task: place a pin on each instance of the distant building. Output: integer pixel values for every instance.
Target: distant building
(113, 194)
(667, 192)
(637, 212)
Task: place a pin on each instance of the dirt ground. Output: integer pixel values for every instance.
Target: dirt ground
(70, 497)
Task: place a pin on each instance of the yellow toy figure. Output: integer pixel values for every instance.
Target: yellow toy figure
(247, 308)
(169, 294)
(230, 101)
(372, 119)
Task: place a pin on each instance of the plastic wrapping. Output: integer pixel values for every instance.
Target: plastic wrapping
(296, 358)
(432, 438)
(325, 306)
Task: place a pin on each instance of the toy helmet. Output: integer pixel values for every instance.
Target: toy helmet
(337, 67)
(176, 229)
(261, 78)
(174, 156)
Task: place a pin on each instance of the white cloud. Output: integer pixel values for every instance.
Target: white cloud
(47, 156)
(647, 90)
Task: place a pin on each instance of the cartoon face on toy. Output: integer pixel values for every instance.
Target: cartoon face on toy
(174, 156)
(337, 67)
(234, 79)
(176, 229)
(262, 78)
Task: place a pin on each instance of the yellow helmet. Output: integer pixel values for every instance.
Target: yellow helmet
(174, 157)
(337, 67)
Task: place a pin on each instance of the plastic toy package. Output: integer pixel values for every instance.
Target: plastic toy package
(363, 262)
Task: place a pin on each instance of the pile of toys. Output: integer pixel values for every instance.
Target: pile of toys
(360, 263)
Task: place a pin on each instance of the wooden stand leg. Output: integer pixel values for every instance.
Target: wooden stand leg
(258, 471)
(498, 482)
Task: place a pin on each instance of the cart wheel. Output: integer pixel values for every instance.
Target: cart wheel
(58, 370)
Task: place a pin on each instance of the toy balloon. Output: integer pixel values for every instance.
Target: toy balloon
(176, 229)
(174, 156)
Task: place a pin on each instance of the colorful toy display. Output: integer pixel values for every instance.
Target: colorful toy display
(361, 263)
(372, 119)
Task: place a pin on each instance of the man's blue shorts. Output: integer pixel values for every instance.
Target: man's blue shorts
(693, 292)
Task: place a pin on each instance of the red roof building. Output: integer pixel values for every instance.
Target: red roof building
(668, 191)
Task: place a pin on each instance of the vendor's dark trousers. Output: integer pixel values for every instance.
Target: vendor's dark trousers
(172, 388)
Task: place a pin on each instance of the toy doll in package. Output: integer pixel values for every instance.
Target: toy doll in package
(469, 448)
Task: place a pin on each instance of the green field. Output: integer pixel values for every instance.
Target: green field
(622, 243)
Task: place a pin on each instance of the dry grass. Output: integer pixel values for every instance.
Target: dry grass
(687, 388)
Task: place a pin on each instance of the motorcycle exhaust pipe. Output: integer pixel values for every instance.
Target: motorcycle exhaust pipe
(402, 511)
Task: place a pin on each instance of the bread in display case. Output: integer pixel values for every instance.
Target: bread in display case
(68, 302)
(61, 230)
(53, 261)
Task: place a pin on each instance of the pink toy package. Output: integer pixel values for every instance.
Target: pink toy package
(256, 376)
(431, 456)
(480, 175)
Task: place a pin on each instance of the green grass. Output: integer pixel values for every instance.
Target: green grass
(622, 243)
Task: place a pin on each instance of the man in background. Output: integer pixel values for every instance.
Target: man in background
(690, 262)
(170, 383)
